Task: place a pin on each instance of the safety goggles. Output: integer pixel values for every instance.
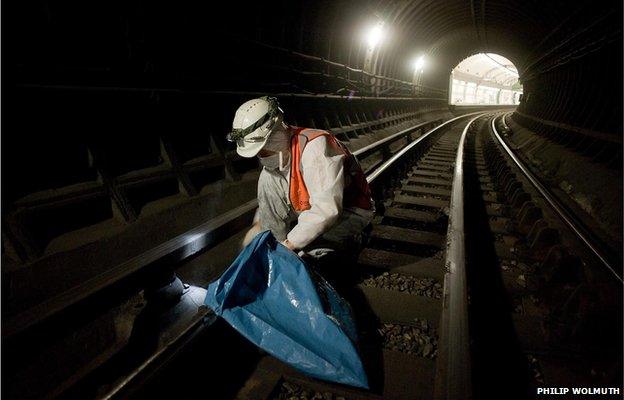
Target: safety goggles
(240, 135)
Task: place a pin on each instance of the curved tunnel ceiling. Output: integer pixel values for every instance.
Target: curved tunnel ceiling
(563, 50)
(450, 31)
(489, 67)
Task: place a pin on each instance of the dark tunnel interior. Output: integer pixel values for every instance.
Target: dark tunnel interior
(115, 114)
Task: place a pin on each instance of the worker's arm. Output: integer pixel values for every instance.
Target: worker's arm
(253, 231)
(323, 173)
(273, 208)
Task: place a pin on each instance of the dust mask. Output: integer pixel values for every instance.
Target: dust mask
(279, 142)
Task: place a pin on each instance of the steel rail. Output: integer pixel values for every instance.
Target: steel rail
(377, 146)
(392, 160)
(562, 211)
(202, 320)
(504, 120)
(174, 250)
(453, 377)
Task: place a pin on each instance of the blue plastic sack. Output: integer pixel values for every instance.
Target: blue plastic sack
(269, 296)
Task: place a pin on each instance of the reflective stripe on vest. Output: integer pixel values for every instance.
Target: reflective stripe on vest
(356, 191)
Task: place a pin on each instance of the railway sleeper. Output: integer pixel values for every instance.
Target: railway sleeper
(500, 225)
(421, 267)
(431, 174)
(439, 158)
(527, 216)
(436, 163)
(428, 216)
(410, 236)
(427, 203)
(428, 182)
(444, 193)
(436, 226)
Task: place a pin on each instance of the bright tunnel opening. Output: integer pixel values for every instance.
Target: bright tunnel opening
(485, 78)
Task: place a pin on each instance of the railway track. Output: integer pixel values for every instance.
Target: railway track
(544, 292)
(408, 287)
(460, 232)
(397, 291)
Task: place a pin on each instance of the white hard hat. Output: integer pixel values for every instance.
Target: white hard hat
(253, 123)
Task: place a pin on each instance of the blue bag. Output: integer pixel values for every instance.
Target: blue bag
(269, 296)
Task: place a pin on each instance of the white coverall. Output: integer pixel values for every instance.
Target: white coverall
(325, 224)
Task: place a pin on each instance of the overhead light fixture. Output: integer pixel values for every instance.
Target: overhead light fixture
(374, 35)
(419, 64)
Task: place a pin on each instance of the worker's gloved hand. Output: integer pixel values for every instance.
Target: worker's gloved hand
(289, 245)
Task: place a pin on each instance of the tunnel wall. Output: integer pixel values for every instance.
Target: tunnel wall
(582, 93)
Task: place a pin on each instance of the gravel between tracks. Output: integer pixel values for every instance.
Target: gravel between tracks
(404, 283)
(292, 391)
(419, 339)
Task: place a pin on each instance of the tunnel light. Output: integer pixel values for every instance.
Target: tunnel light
(374, 35)
(419, 64)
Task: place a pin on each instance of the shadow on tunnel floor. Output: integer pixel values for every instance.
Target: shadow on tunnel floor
(498, 362)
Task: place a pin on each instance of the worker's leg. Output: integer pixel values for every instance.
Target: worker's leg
(349, 231)
(335, 253)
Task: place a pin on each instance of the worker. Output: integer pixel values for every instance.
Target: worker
(312, 193)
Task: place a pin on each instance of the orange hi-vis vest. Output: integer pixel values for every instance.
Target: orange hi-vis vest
(357, 193)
